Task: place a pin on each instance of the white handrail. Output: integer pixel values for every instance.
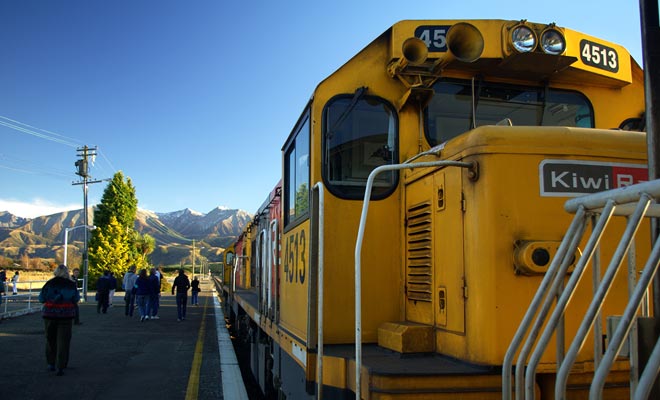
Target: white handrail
(635, 203)
(597, 302)
(319, 354)
(358, 250)
(560, 307)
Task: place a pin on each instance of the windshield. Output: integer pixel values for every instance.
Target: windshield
(452, 111)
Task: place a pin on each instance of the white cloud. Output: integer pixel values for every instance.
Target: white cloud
(36, 208)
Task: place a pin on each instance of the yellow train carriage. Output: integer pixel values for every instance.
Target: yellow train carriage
(451, 256)
(228, 263)
(228, 260)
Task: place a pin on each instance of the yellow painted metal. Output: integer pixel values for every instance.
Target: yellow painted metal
(448, 258)
(381, 277)
(578, 386)
(228, 258)
(526, 257)
(465, 386)
(498, 213)
(294, 281)
(406, 337)
(496, 34)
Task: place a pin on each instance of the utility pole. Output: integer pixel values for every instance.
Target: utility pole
(193, 260)
(650, 22)
(82, 165)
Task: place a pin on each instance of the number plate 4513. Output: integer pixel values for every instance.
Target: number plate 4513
(599, 56)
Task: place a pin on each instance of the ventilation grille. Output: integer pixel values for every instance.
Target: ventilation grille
(419, 252)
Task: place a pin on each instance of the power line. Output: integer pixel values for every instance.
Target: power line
(108, 161)
(43, 130)
(27, 166)
(47, 135)
(37, 134)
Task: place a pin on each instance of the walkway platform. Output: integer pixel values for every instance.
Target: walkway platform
(117, 357)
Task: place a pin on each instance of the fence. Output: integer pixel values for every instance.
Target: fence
(26, 299)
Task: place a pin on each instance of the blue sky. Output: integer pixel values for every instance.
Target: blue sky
(193, 99)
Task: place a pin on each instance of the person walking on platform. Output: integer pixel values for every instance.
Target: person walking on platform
(143, 289)
(194, 300)
(181, 284)
(154, 300)
(3, 279)
(14, 283)
(59, 296)
(74, 278)
(103, 292)
(113, 287)
(128, 285)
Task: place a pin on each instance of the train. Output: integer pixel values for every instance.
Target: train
(420, 204)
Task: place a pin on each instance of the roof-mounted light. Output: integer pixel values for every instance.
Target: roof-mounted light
(553, 42)
(523, 38)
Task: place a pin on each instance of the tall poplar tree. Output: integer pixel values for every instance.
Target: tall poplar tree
(119, 201)
(110, 251)
(112, 246)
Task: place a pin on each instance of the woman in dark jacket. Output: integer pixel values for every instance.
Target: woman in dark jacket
(60, 296)
(143, 290)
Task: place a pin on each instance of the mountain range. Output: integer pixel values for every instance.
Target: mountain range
(43, 237)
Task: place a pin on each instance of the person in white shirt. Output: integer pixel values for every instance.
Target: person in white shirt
(14, 283)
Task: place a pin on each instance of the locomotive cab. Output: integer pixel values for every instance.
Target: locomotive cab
(483, 130)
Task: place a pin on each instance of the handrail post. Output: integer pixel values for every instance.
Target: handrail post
(599, 295)
(628, 317)
(319, 354)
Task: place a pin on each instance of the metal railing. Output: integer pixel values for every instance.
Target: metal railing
(634, 203)
(24, 302)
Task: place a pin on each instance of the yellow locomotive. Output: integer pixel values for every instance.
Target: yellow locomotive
(483, 129)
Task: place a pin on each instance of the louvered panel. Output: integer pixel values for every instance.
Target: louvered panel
(419, 247)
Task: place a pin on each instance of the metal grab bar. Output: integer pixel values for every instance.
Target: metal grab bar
(621, 332)
(634, 202)
(358, 250)
(559, 266)
(594, 308)
(319, 355)
(651, 371)
(566, 295)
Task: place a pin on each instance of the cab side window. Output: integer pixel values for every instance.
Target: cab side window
(296, 173)
(360, 133)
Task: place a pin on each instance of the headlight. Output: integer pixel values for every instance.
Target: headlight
(523, 39)
(552, 42)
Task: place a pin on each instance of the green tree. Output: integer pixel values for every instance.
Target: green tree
(109, 250)
(144, 245)
(114, 218)
(302, 199)
(119, 201)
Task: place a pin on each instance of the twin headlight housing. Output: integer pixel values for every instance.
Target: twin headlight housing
(524, 39)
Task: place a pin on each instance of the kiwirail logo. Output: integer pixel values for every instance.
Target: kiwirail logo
(577, 178)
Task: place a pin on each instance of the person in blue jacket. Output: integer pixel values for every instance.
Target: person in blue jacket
(103, 286)
(59, 296)
(143, 290)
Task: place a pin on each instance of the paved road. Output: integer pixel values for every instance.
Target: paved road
(117, 357)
